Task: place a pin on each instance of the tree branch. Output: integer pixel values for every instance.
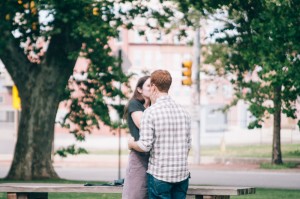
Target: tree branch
(15, 60)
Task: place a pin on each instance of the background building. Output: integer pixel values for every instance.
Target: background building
(7, 113)
(143, 54)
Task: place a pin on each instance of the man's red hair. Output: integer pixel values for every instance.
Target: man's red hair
(162, 80)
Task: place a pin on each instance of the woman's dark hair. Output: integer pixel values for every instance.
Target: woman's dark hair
(136, 95)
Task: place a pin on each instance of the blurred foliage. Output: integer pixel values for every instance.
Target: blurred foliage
(40, 42)
(257, 49)
(81, 28)
(285, 165)
(71, 150)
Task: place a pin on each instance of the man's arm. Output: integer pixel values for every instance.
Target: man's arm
(133, 145)
(189, 134)
(144, 144)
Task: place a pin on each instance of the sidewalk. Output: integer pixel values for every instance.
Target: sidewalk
(211, 171)
(105, 168)
(235, 136)
(112, 161)
(110, 143)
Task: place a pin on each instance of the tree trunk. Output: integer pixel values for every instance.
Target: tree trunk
(276, 150)
(32, 157)
(41, 88)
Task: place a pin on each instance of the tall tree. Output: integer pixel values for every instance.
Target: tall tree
(259, 44)
(42, 73)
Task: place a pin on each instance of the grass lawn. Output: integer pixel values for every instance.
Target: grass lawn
(271, 194)
(258, 151)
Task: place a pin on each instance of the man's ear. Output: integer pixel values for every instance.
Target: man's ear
(155, 88)
(152, 87)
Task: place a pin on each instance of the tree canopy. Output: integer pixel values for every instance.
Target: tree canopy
(259, 46)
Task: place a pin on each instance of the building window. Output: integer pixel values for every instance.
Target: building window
(176, 39)
(211, 89)
(149, 37)
(177, 58)
(137, 58)
(2, 116)
(148, 59)
(137, 37)
(158, 60)
(60, 115)
(227, 89)
(159, 38)
(7, 116)
(10, 116)
(120, 36)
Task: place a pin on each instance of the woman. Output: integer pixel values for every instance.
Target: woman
(135, 185)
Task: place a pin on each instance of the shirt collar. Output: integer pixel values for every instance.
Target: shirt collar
(165, 97)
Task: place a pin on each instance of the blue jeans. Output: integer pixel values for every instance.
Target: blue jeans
(158, 189)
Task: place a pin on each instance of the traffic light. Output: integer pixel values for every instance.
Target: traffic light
(16, 101)
(187, 73)
(95, 11)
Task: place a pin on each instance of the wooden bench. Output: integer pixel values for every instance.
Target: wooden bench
(41, 190)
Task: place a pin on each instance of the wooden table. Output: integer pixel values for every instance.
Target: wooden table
(41, 190)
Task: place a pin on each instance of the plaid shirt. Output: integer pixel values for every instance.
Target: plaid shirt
(165, 131)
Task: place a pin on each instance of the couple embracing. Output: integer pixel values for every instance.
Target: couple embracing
(160, 143)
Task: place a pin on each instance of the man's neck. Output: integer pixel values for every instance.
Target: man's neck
(158, 95)
(161, 95)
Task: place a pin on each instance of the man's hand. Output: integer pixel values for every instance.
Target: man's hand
(153, 96)
(130, 142)
(133, 145)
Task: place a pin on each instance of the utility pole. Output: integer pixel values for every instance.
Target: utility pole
(198, 105)
(119, 162)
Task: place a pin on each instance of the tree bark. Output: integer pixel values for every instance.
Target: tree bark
(40, 88)
(276, 150)
(32, 157)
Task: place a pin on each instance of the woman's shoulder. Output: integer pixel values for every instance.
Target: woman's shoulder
(151, 108)
(135, 104)
(135, 101)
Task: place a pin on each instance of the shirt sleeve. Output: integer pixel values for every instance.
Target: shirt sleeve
(134, 105)
(146, 132)
(189, 136)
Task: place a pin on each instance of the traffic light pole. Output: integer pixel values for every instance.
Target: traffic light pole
(198, 104)
(119, 151)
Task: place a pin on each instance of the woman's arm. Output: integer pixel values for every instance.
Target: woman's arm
(136, 117)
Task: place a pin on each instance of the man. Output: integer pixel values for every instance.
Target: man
(165, 132)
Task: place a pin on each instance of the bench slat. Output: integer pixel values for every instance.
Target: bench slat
(219, 190)
(59, 188)
(79, 188)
